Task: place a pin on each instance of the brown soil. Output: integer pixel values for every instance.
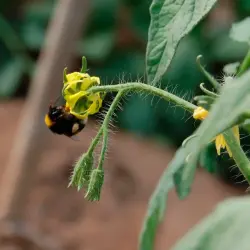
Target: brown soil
(133, 167)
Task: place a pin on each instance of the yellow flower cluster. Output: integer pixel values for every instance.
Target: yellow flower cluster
(220, 142)
(79, 101)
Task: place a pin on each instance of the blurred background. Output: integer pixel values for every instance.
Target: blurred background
(148, 130)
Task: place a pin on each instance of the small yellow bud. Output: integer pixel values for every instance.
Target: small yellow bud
(200, 113)
(220, 142)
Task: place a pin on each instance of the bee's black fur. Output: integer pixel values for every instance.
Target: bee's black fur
(63, 121)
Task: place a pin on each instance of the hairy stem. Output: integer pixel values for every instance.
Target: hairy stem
(238, 154)
(105, 125)
(103, 131)
(135, 86)
(95, 141)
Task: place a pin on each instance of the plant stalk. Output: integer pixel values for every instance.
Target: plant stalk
(135, 86)
(239, 156)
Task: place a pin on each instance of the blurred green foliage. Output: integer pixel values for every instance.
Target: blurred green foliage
(114, 43)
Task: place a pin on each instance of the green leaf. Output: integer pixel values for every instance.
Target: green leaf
(184, 176)
(156, 211)
(240, 31)
(227, 228)
(10, 76)
(227, 110)
(170, 22)
(208, 159)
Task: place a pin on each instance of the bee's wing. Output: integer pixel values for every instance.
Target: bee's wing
(74, 138)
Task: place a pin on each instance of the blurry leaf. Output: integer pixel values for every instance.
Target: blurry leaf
(35, 19)
(243, 7)
(33, 36)
(231, 69)
(170, 22)
(227, 228)
(208, 158)
(132, 3)
(10, 76)
(139, 115)
(140, 19)
(39, 11)
(120, 66)
(156, 210)
(225, 49)
(103, 15)
(97, 46)
(240, 31)
(235, 101)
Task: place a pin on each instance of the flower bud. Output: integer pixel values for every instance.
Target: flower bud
(95, 185)
(82, 171)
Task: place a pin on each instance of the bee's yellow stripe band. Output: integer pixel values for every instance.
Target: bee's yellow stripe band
(48, 121)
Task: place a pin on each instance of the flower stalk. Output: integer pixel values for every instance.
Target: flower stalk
(136, 86)
(97, 175)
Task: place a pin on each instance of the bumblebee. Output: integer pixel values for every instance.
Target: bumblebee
(60, 121)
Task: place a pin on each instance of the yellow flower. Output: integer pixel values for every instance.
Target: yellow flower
(79, 101)
(220, 142)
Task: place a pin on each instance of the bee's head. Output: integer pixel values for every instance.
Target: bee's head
(55, 112)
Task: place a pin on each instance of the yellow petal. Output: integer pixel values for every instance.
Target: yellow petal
(96, 104)
(79, 116)
(81, 84)
(72, 99)
(76, 76)
(218, 141)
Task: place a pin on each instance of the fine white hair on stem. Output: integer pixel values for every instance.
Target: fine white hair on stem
(160, 86)
(220, 77)
(224, 78)
(244, 137)
(188, 118)
(241, 182)
(232, 168)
